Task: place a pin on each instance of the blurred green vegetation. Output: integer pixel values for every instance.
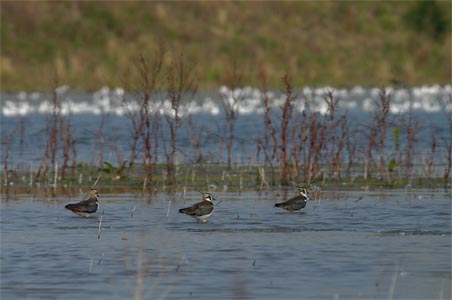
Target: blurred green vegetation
(339, 43)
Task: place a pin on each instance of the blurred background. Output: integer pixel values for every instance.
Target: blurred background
(91, 44)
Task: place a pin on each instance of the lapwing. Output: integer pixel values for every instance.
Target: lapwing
(201, 210)
(296, 203)
(85, 207)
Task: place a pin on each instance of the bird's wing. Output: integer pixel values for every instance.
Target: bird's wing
(202, 208)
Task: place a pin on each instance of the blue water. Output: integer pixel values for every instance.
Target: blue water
(344, 245)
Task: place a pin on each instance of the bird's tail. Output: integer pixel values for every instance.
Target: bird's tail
(72, 207)
(278, 204)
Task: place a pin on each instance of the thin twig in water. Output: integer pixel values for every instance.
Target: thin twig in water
(100, 224)
(90, 265)
(144, 184)
(393, 283)
(100, 260)
(97, 180)
(55, 179)
(167, 212)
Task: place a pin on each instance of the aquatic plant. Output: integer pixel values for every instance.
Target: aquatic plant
(7, 140)
(181, 86)
(447, 141)
(269, 138)
(331, 103)
(286, 110)
(230, 101)
(381, 119)
(59, 138)
(144, 121)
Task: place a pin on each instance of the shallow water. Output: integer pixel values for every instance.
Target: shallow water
(386, 244)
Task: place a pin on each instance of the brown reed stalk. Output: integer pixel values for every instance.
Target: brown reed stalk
(144, 122)
(53, 123)
(137, 123)
(412, 129)
(22, 124)
(68, 146)
(304, 141)
(7, 143)
(269, 129)
(432, 153)
(195, 134)
(65, 147)
(351, 147)
(300, 133)
(447, 140)
(232, 81)
(181, 86)
(368, 158)
(317, 145)
(331, 102)
(286, 117)
(337, 161)
(382, 124)
(101, 140)
(148, 82)
(295, 148)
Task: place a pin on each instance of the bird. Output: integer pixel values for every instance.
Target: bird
(85, 207)
(296, 203)
(201, 210)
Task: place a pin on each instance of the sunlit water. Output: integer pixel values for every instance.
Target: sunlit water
(348, 245)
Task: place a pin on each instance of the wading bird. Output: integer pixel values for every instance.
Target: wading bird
(296, 203)
(85, 207)
(202, 210)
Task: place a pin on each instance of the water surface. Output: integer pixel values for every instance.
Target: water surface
(361, 245)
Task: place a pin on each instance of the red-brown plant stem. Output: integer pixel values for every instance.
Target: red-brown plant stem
(316, 145)
(181, 83)
(7, 144)
(351, 148)
(196, 135)
(52, 139)
(448, 145)
(370, 146)
(382, 124)
(144, 122)
(230, 107)
(411, 129)
(331, 102)
(340, 145)
(303, 136)
(68, 145)
(269, 129)
(286, 117)
(432, 154)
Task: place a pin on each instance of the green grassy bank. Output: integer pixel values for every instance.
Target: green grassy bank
(90, 44)
(204, 177)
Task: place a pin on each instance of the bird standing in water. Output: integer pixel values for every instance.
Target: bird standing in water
(202, 210)
(85, 207)
(296, 203)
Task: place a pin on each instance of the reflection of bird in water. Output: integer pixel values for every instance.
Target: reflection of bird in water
(202, 210)
(85, 207)
(296, 203)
